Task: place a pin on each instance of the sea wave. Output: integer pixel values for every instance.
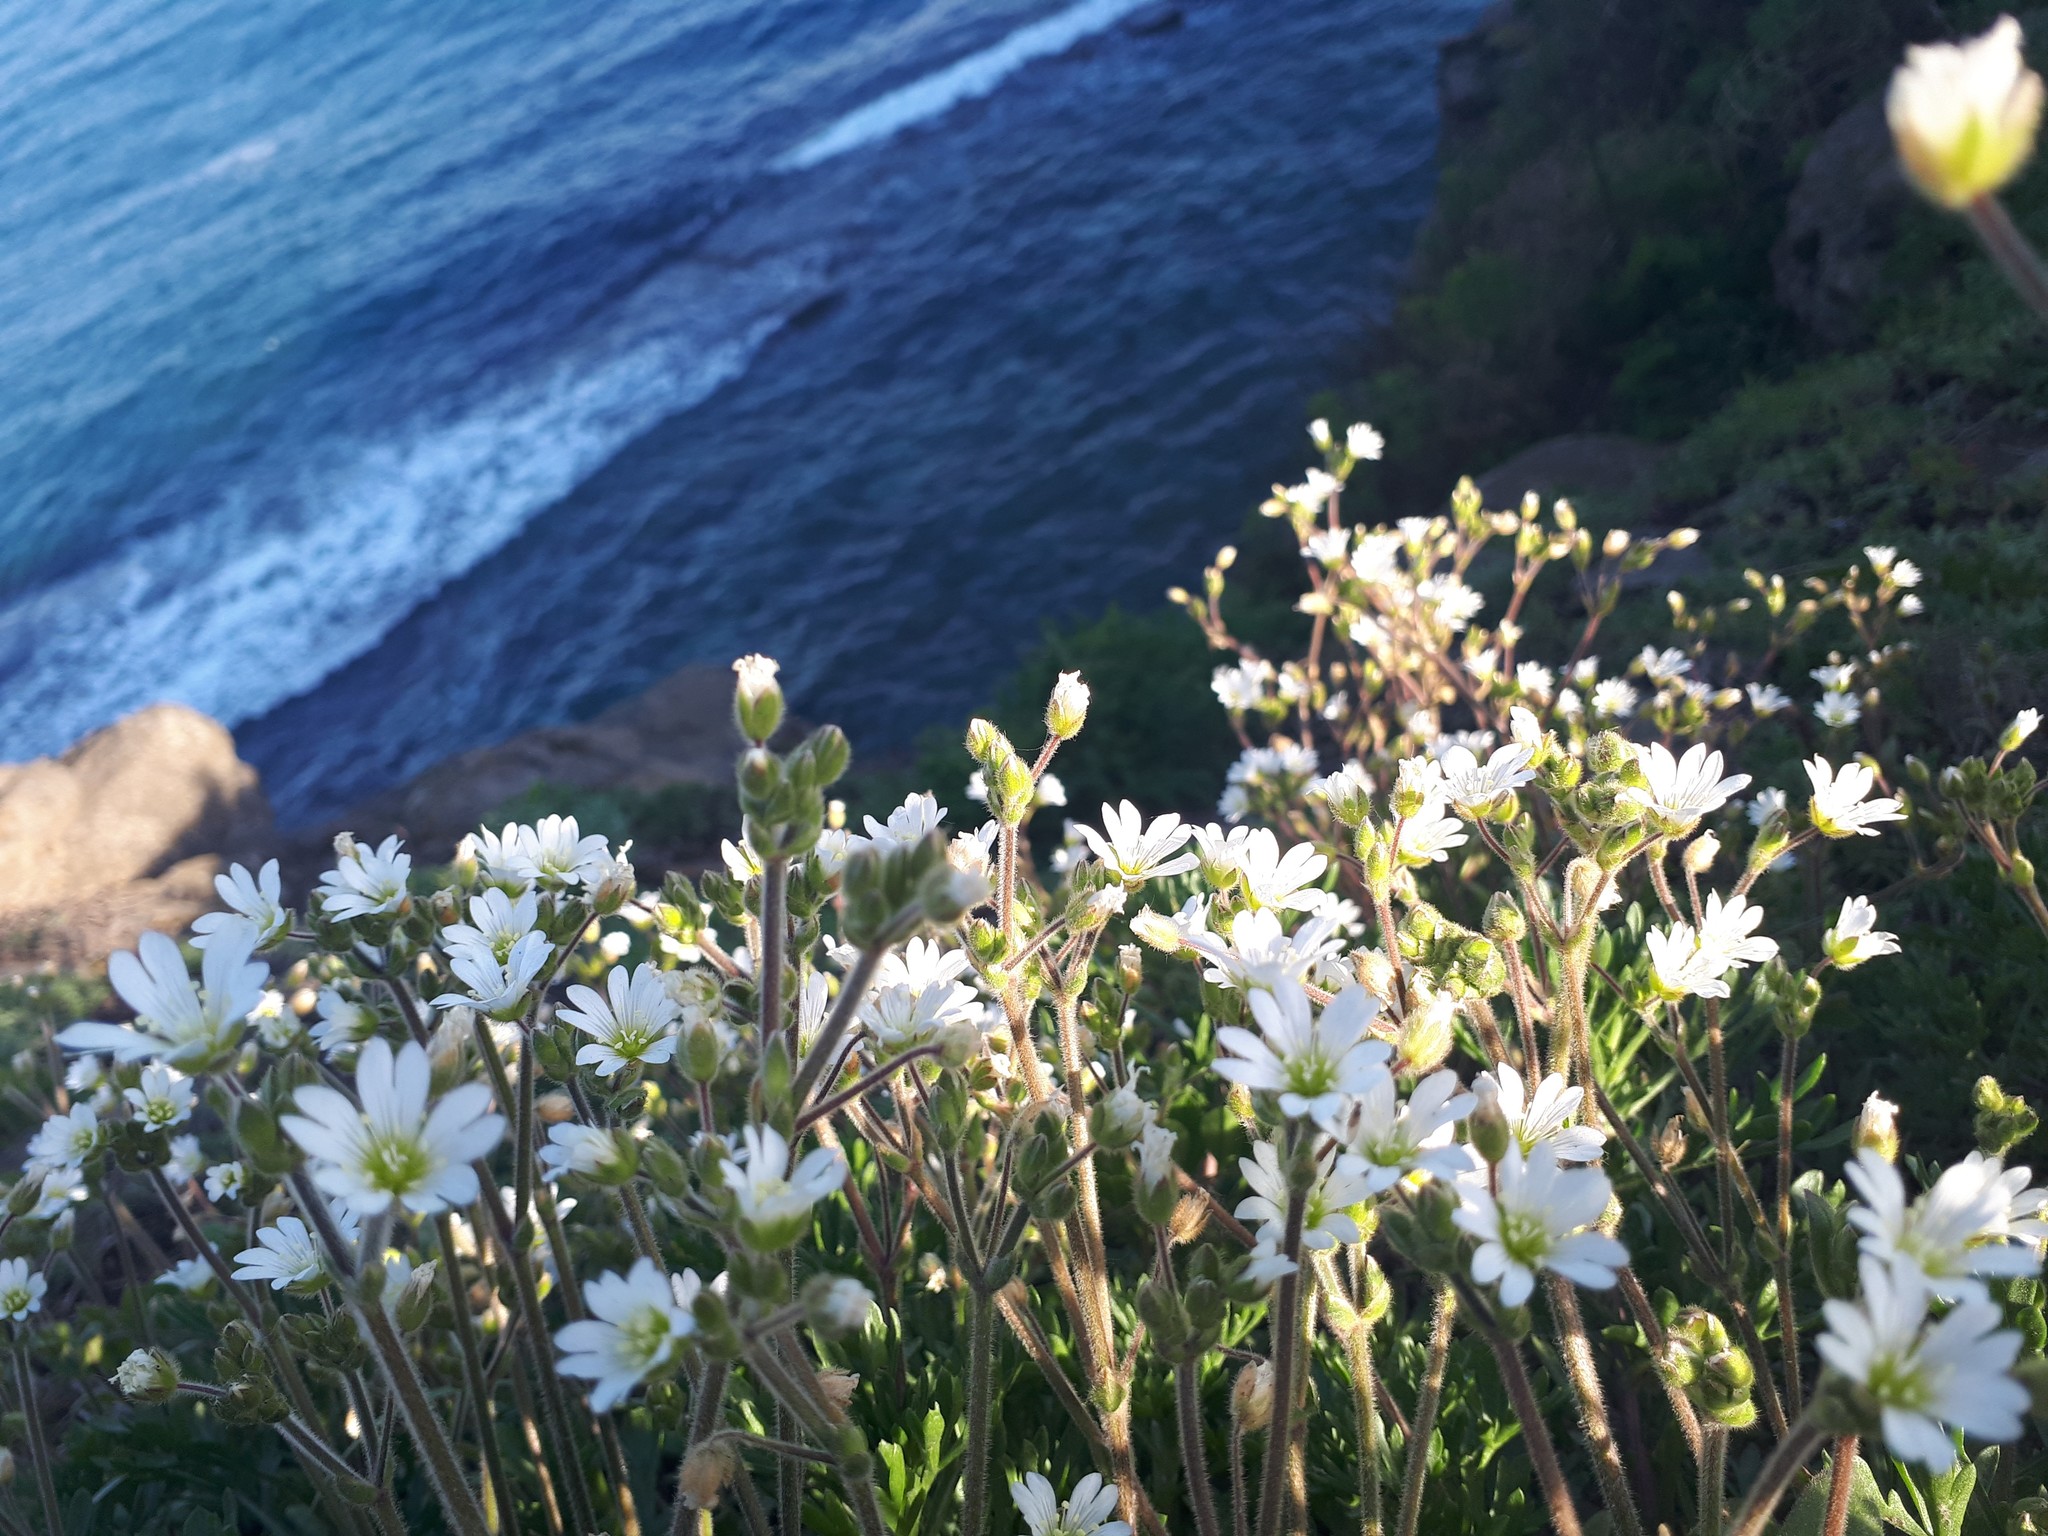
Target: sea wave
(279, 584)
(970, 79)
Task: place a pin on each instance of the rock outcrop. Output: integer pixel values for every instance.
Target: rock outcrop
(1827, 267)
(123, 832)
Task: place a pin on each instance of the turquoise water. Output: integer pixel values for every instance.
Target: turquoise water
(387, 377)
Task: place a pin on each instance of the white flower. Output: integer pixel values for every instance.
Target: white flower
(1964, 115)
(364, 882)
(638, 1322)
(1259, 953)
(1266, 1263)
(1767, 698)
(1394, 1138)
(1155, 1155)
(1925, 1377)
(1835, 677)
(633, 1020)
(1327, 546)
(1273, 879)
(1311, 1063)
(163, 1099)
(1535, 680)
(1362, 442)
(1428, 836)
(2024, 724)
(1910, 606)
(183, 1165)
(909, 824)
(1666, 666)
(498, 987)
(287, 1254)
(188, 1275)
(1953, 1235)
(1766, 804)
(1243, 686)
(1681, 965)
(21, 1293)
(1839, 808)
(553, 852)
(1545, 1116)
(1470, 785)
(585, 1149)
(1537, 1220)
(65, 1141)
(1614, 698)
(256, 901)
(1680, 790)
(1730, 927)
(63, 1188)
(1455, 603)
(907, 1013)
(842, 1304)
(1836, 710)
(395, 1147)
(497, 922)
(1086, 1513)
(774, 1202)
(343, 1023)
(1135, 852)
(225, 1181)
(186, 1026)
(1325, 1219)
(1855, 937)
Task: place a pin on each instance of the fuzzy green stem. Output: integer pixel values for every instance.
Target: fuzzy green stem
(1577, 1353)
(1785, 1462)
(2009, 249)
(458, 1499)
(1194, 1456)
(981, 1348)
(1564, 1515)
(473, 1376)
(1284, 1324)
(1364, 1383)
(706, 1413)
(38, 1445)
(1415, 1462)
(1713, 1478)
(1788, 1306)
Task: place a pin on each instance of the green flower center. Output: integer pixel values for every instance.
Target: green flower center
(396, 1164)
(1896, 1381)
(646, 1335)
(1525, 1237)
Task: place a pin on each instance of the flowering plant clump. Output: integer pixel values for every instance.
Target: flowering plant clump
(1437, 1101)
(1475, 938)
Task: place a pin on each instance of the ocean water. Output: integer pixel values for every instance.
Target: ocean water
(387, 377)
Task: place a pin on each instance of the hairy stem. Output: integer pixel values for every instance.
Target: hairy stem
(1788, 1308)
(1577, 1353)
(1841, 1482)
(38, 1444)
(981, 1342)
(1415, 1462)
(1713, 1479)
(1785, 1462)
(1284, 1324)
(1194, 1456)
(473, 1376)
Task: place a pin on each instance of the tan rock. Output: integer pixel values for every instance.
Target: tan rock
(122, 832)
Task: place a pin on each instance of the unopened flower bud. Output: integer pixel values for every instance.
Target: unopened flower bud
(1120, 1118)
(1701, 852)
(2024, 724)
(416, 1302)
(1427, 1035)
(1607, 752)
(1487, 1124)
(1877, 1128)
(947, 894)
(1504, 923)
(1615, 544)
(1156, 930)
(1319, 434)
(1251, 1397)
(147, 1376)
(1067, 710)
(757, 698)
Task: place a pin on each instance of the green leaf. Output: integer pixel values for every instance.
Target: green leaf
(1866, 1505)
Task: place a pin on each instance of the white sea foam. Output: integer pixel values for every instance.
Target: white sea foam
(238, 609)
(970, 79)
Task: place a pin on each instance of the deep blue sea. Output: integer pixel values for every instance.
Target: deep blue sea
(387, 376)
